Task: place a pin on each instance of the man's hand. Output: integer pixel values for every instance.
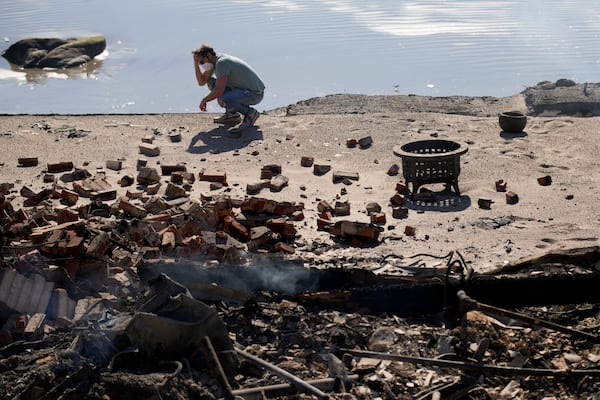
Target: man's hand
(203, 105)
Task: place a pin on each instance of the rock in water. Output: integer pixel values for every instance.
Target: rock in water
(54, 52)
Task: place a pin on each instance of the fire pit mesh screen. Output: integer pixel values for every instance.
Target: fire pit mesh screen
(431, 161)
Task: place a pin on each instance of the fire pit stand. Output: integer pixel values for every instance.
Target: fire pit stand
(431, 161)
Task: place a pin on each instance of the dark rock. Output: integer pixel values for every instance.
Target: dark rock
(564, 97)
(54, 52)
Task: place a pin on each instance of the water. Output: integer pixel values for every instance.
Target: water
(302, 49)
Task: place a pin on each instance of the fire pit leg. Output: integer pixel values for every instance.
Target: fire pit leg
(455, 186)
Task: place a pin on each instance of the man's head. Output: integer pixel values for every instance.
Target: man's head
(205, 53)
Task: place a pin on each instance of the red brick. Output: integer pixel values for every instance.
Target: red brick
(27, 161)
(399, 212)
(67, 215)
(545, 180)
(401, 188)
(150, 150)
(284, 248)
(62, 166)
(321, 169)
(133, 210)
(167, 169)
(213, 176)
(500, 186)
(282, 226)
(512, 198)
(378, 218)
(306, 161)
(341, 208)
(235, 229)
(397, 199)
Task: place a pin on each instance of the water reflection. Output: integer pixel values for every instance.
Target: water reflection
(303, 49)
(40, 76)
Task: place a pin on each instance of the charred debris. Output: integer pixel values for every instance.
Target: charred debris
(161, 302)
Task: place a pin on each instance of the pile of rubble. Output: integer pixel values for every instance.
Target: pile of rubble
(104, 295)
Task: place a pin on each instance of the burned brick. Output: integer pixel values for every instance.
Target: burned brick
(321, 169)
(132, 209)
(501, 185)
(545, 180)
(27, 161)
(373, 207)
(378, 218)
(148, 176)
(213, 176)
(62, 166)
(284, 248)
(365, 142)
(150, 150)
(399, 212)
(278, 182)
(306, 161)
(168, 169)
(104, 195)
(34, 330)
(174, 191)
(255, 188)
(177, 177)
(269, 171)
(401, 188)
(512, 198)
(486, 204)
(341, 208)
(349, 230)
(115, 165)
(67, 215)
(282, 226)
(324, 206)
(393, 170)
(44, 194)
(235, 229)
(397, 199)
(339, 176)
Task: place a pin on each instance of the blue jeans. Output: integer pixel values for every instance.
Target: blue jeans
(238, 99)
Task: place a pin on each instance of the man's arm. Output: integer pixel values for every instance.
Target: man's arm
(218, 90)
(201, 77)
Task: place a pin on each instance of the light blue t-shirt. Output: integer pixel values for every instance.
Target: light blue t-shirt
(240, 75)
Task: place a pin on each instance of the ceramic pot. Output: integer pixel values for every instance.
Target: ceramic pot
(512, 121)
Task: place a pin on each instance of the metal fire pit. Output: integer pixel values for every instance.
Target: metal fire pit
(431, 161)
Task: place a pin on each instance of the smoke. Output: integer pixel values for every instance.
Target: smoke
(259, 274)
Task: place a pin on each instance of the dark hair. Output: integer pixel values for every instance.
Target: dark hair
(204, 50)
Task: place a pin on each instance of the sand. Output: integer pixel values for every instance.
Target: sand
(561, 215)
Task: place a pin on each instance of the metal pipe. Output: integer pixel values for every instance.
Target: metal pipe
(294, 380)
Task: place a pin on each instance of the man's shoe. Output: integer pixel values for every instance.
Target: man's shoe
(249, 121)
(252, 117)
(229, 118)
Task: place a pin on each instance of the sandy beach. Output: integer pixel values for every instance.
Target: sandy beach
(242, 222)
(560, 215)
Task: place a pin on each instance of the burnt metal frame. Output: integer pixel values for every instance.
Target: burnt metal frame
(431, 161)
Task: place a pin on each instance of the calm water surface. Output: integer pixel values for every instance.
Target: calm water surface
(302, 49)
